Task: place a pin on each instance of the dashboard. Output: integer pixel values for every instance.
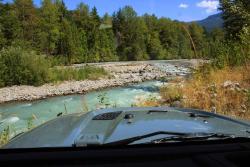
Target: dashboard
(216, 153)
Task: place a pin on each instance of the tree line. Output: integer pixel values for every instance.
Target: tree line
(58, 36)
(81, 35)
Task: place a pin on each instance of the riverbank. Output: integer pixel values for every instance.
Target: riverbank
(223, 91)
(120, 74)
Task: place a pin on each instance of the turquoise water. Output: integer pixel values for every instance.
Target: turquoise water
(20, 116)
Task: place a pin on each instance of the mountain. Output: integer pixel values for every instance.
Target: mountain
(211, 22)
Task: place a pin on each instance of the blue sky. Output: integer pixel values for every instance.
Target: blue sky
(183, 10)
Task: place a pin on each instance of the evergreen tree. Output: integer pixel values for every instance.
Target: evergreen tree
(236, 15)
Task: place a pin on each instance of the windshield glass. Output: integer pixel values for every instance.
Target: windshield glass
(76, 73)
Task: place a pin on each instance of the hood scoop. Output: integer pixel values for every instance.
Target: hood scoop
(107, 116)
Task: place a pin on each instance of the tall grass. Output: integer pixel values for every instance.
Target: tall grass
(66, 74)
(4, 136)
(207, 90)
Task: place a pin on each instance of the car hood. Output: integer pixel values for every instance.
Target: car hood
(109, 125)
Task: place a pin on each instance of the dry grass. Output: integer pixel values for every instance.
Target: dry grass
(207, 89)
(148, 102)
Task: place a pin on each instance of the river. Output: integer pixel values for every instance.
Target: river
(20, 116)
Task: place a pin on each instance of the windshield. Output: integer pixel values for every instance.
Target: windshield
(78, 73)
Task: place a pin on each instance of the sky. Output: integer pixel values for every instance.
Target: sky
(182, 10)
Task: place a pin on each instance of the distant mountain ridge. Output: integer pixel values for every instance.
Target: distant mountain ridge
(212, 22)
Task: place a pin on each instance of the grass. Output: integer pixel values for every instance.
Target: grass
(5, 136)
(67, 74)
(207, 90)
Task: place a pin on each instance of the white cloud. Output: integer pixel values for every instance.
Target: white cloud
(183, 5)
(209, 5)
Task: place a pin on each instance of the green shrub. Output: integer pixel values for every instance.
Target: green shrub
(21, 67)
(64, 74)
(171, 93)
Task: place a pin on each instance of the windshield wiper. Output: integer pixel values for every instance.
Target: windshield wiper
(175, 137)
(196, 137)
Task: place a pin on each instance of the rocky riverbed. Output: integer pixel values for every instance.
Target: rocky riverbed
(120, 74)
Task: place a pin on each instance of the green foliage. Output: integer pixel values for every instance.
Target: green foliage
(30, 123)
(65, 74)
(197, 34)
(236, 15)
(171, 94)
(26, 13)
(130, 32)
(18, 67)
(103, 99)
(154, 47)
(82, 36)
(4, 136)
(49, 33)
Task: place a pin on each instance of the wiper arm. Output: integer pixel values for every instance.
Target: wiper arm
(195, 137)
(177, 137)
(133, 139)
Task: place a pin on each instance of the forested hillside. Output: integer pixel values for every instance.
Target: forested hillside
(212, 22)
(53, 35)
(82, 35)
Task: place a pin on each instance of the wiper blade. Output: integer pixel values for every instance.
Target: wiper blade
(196, 137)
(176, 137)
(133, 139)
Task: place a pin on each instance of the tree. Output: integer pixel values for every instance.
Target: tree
(236, 15)
(107, 50)
(2, 39)
(10, 25)
(27, 16)
(93, 36)
(49, 27)
(151, 22)
(73, 43)
(168, 31)
(107, 20)
(154, 47)
(81, 17)
(130, 32)
(197, 36)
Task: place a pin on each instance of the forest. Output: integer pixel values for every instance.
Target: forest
(34, 39)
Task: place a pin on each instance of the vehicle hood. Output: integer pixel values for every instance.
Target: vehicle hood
(109, 125)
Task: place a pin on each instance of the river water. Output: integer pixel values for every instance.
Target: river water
(20, 116)
(23, 115)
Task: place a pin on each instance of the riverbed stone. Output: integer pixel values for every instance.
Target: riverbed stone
(122, 73)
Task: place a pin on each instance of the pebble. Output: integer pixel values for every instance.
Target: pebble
(123, 74)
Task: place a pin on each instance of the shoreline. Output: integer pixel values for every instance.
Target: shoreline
(123, 75)
(69, 94)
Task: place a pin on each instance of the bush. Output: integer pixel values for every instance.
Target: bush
(171, 93)
(21, 67)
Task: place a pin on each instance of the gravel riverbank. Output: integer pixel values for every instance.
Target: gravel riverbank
(121, 74)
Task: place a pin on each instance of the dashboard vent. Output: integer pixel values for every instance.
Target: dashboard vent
(107, 116)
